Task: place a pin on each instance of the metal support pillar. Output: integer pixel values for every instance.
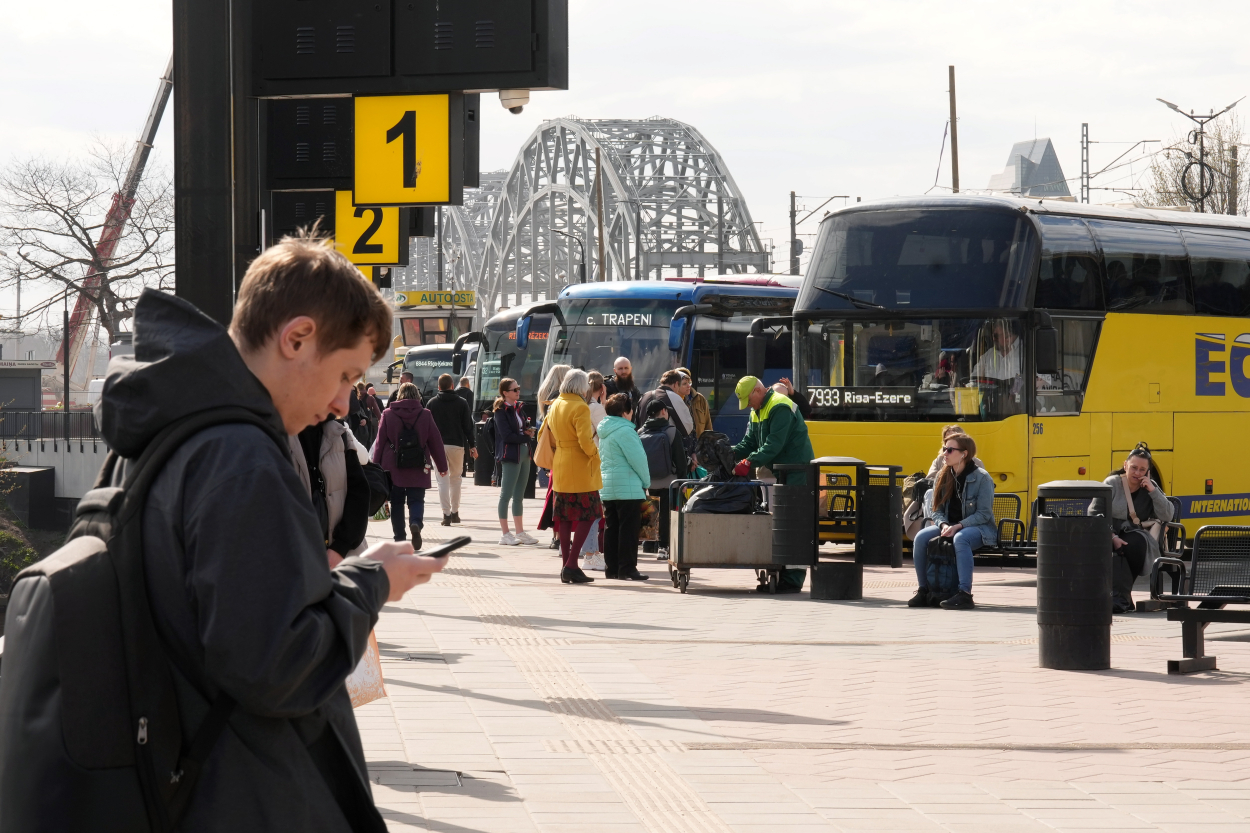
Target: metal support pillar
(1085, 162)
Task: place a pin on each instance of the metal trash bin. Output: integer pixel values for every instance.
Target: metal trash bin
(793, 508)
(880, 518)
(1073, 577)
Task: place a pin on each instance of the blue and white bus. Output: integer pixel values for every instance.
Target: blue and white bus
(700, 324)
(501, 356)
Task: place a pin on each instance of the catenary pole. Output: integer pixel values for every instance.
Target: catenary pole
(794, 238)
(954, 136)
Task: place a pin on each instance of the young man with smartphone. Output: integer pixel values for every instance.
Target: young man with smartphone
(233, 552)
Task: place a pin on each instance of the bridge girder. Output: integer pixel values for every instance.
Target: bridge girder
(669, 205)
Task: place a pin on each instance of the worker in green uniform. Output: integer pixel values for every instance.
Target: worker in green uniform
(775, 434)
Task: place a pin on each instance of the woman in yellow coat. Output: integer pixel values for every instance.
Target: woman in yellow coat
(575, 478)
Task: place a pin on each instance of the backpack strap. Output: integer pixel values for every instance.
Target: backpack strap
(153, 700)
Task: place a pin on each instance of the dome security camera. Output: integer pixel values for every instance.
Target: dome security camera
(514, 100)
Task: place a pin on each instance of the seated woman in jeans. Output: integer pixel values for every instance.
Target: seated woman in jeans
(963, 510)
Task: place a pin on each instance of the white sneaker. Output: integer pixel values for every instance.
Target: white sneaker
(525, 538)
(594, 561)
(508, 540)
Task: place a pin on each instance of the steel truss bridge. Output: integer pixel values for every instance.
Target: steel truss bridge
(669, 207)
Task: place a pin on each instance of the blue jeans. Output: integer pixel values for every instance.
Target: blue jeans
(966, 540)
(415, 497)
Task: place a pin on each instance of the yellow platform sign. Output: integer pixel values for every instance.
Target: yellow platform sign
(431, 298)
(403, 149)
(366, 234)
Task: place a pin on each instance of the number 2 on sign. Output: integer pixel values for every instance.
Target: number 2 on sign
(407, 128)
(363, 245)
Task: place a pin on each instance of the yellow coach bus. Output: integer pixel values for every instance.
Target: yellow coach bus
(1058, 335)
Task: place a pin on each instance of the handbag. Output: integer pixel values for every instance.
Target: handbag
(545, 453)
(1152, 527)
(649, 530)
(379, 486)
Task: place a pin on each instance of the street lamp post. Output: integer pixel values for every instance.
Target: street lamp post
(581, 267)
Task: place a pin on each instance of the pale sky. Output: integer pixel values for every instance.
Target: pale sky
(815, 96)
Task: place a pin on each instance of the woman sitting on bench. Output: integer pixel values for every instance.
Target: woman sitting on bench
(963, 511)
(1139, 510)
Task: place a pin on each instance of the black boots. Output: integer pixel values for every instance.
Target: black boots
(1122, 579)
(921, 599)
(574, 575)
(415, 531)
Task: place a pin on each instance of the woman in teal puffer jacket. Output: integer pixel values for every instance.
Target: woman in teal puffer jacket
(623, 465)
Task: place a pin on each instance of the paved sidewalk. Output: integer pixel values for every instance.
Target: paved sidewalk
(520, 704)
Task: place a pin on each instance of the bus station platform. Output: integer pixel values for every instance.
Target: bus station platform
(516, 703)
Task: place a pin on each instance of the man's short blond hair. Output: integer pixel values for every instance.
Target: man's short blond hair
(304, 275)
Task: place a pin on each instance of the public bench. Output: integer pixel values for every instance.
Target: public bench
(1017, 542)
(1217, 574)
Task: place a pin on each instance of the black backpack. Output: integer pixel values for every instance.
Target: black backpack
(90, 733)
(659, 454)
(942, 575)
(409, 452)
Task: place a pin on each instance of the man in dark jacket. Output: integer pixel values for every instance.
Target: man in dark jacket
(465, 392)
(657, 424)
(455, 424)
(622, 381)
(233, 552)
(404, 378)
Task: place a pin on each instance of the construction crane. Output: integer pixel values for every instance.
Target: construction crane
(83, 317)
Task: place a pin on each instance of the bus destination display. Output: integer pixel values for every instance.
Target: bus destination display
(861, 397)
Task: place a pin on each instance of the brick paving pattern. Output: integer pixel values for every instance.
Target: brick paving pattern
(516, 703)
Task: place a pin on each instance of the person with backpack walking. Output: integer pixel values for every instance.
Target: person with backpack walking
(575, 478)
(963, 515)
(626, 477)
(408, 446)
(776, 433)
(512, 431)
(666, 461)
(455, 426)
(220, 704)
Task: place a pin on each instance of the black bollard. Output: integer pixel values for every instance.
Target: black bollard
(1073, 578)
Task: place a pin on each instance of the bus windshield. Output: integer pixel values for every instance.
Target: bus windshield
(921, 369)
(426, 367)
(597, 331)
(948, 258)
(503, 358)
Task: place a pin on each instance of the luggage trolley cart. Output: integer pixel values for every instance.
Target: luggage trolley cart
(719, 542)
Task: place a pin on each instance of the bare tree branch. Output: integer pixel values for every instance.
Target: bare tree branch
(52, 217)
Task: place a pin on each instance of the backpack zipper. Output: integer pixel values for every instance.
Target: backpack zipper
(143, 731)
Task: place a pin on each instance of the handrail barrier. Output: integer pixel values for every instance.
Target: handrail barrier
(30, 427)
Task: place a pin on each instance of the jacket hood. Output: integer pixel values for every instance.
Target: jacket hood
(656, 424)
(612, 424)
(183, 362)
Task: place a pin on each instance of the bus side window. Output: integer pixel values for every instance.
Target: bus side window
(1068, 277)
(1219, 260)
(1145, 266)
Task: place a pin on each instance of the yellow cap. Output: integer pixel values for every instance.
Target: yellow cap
(743, 389)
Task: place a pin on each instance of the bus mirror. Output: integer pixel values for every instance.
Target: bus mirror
(676, 329)
(457, 363)
(756, 347)
(390, 371)
(523, 332)
(1046, 351)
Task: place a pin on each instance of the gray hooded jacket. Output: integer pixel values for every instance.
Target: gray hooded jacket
(239, 587)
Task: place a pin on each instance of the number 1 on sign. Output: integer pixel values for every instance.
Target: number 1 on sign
(407, 128)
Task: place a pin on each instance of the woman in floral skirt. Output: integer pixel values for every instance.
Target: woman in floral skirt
(575, 478)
